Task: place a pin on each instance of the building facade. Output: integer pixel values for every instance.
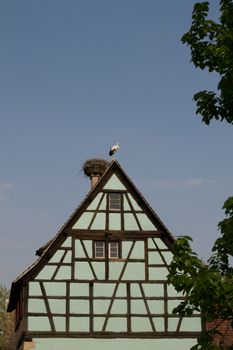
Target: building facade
(101, 282)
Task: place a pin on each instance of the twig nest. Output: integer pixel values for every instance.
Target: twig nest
(95, 167)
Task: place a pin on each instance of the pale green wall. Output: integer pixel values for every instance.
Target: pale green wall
(64, 273)
(57, 256)
(145, 222)
(79, 306)
(116, 324)
(79, 289)
(159, 324)
(156, 290)
(99, 268)
(46, 273)
(135, 271)
(126, 203)
(55, 288)
(79, 252)
(38, 323)
(114, 221)
(103, 203)
(104, 289)
(113, 344)
(130, 222)
(67, 242)
(100, 222)
(57, 306)
(101, 306)
(155, 258)
(59, 323)
(156, 243)
(138, 251)
(36, 305)
(34, 289)
(80, 324)
(95, 202)
(84, 221)
(115, 269)
(141, 324)
(134, 203)
(114, 184)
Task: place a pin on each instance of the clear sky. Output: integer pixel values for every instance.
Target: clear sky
(78, 76)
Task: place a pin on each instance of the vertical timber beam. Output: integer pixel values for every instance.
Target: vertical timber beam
(128, 307)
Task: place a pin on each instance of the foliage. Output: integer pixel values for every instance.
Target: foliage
(4, 294)
(211, 47)
(208, 287)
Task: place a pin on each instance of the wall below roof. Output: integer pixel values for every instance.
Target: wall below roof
(112, 344)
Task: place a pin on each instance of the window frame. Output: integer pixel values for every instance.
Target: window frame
(112, 201)
(117, 250)
(107, 249)
(95, 249)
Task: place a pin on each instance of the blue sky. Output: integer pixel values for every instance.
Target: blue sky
(78, 76)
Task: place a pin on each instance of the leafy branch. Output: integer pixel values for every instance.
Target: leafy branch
(211, 46)
(208, 287)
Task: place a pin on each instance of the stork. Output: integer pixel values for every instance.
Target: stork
(114, 149)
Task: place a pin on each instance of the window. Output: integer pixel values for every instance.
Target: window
(113, 250)
(99, 249)
(114, 201)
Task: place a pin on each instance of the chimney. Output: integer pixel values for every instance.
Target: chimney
(94, 169)
(94, 179)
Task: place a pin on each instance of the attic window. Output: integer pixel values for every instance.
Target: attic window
(114, 201)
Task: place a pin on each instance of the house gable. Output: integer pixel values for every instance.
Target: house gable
(104, 274)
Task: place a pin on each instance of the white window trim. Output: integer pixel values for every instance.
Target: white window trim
(109, 250)
(103, 256)
(95, 249)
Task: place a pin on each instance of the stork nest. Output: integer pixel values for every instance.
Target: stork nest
(95, 167)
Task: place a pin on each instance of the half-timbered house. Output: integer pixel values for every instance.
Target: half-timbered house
(101, 283)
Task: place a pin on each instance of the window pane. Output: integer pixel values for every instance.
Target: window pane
(114, 249)
(114, 201)
(99, 249)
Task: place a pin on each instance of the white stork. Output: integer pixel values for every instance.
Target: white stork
(114, 149)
